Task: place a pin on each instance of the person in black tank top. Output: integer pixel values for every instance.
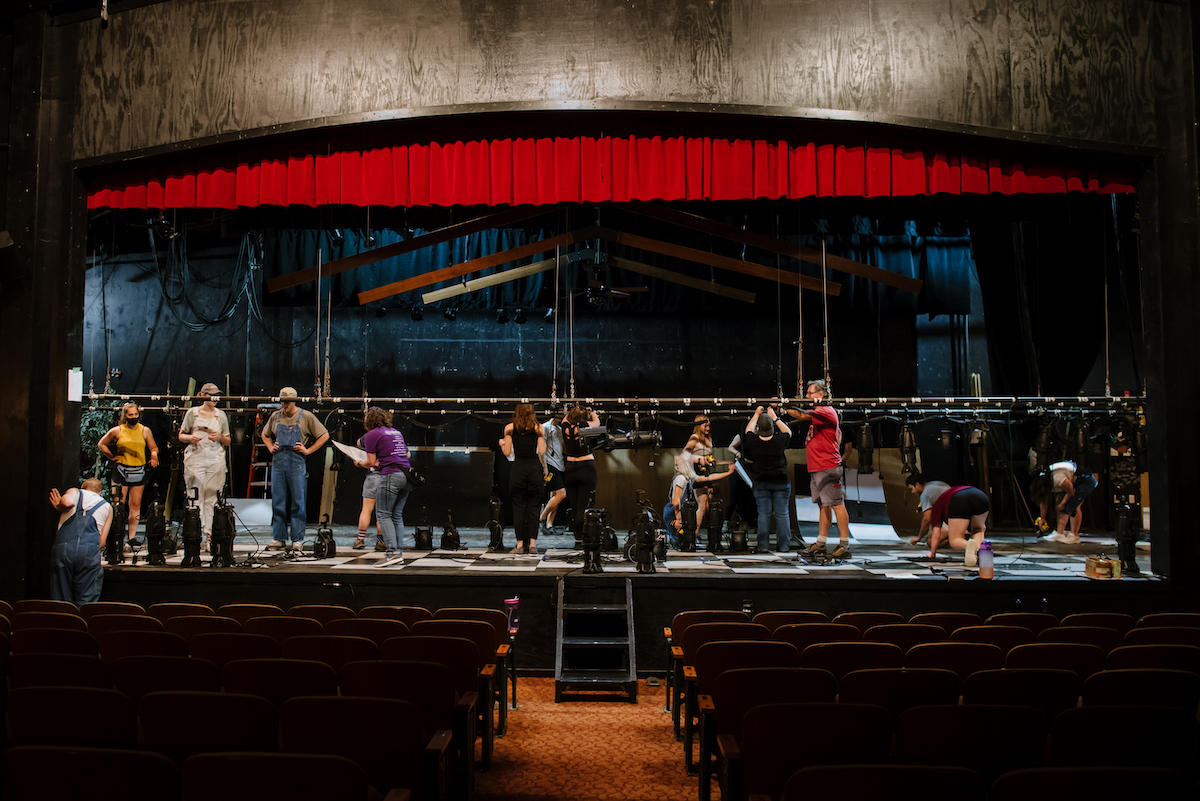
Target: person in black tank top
(524, 442)
(580, 474)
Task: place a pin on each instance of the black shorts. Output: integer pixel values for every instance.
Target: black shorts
(556, 481)
(967, 503)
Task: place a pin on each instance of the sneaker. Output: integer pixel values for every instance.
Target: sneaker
(391, 561)
(1055, 537)
(543, 529)
(359, 545)
(380, 546)
(1070, 539)
(816, 549)
(275, 545)
(972, 557)
(841, 552)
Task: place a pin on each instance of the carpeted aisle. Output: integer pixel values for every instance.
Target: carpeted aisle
(580, 751)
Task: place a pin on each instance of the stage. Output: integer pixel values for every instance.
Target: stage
(882, 573)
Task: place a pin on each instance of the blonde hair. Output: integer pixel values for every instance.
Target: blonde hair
(125, 409)
(92, 484)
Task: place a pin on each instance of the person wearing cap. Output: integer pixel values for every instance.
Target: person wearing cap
(929, 492)
(285, 433)
(205, 433)
(823, 445)
(766, 440)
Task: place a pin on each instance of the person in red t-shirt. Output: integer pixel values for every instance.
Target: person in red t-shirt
(824, 447)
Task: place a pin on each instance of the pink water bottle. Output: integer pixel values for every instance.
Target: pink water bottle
(986, 560)
(510, 608)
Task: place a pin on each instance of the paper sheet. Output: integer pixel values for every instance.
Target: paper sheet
(357, 454)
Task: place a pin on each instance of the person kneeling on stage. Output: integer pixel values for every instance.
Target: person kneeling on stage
(683, 485)
(959, 517)
(929, 492)
(75, 571)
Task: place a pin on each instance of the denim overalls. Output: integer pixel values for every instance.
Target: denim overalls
(75, 571)
(289, 483)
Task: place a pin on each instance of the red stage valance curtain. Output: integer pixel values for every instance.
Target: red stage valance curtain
(591, 169)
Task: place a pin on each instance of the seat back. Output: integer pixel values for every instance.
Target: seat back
(773, 619)
(137, 675)
(99, 625)
(188, 626)
(1003, 637)
(253, 776)
(739, 690)
(869, 782)
(405, 614)
(428, 686)
(279, 679)
(322, 613)
(169, 609)
(1094, 782)
(865, 620)
(905, 635)
(459, 654)
(181, 723)
(1158, 619)
(43, 605)
(58, 670)
(898, 689)
(1168, 657)
(839, 658)
(1101, 636)
(1081, 658)
(803, 635)
(117, 644)
(481, 633)
(715, 658)
(496, 617)
(1163, 635)
(772, 752)
(949, 621)
(331, 649)
(53, 641)
(48, 620)
(74, 716)
(89, 611)
(1109, 620)
(1155, 687)
(88, 773)
(1048, 689)
(986, 738)
(1034, 621)
(1166, 736)
(681, 621)
(220, 647)
(282, 628)
(243, 612)
(964, 658)
(375, 629)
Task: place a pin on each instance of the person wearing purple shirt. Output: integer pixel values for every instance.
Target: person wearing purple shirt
(387, 450)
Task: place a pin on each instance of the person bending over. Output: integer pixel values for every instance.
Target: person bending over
(683, 486)
(959, 518)
(928, 492)
(824, 447)
(1070, 489)
(523, 441)
(126, 445)
(76, 574)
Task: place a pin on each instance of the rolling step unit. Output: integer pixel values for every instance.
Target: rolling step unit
(594, 644)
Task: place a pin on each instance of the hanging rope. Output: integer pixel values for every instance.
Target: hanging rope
(825, 317)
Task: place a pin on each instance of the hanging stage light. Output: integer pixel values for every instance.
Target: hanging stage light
(450, 314)
(335, 236)
(501, 316)
(1041, 448)
(520, 318)
(381, 311)
(417, 315)
(864, 443)
(549, 315)
(908, 448)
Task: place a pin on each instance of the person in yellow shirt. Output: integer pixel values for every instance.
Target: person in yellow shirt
(126, 445)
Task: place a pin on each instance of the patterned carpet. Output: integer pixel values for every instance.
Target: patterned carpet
(586, 750)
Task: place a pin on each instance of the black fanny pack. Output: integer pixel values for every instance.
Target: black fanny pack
(414, 478)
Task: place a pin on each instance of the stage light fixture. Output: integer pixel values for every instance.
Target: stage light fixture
(520, 317)
(908, 448)
(381, 311)
(417, 315)
(450, 314)
(501, 317)
(548, 316)
(335, 236)
(864, 443)
(370, 240)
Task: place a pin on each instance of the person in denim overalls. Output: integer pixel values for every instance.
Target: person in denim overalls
(284, 436)
(75, 571)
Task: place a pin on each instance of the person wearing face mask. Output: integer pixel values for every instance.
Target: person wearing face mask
(126, 445)
(205, 432)
(285, 433)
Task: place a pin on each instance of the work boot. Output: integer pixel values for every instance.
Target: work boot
(816, 549)
(842, 551)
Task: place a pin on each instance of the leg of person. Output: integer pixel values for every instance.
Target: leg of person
(280, 504)
(386, 501)
(88, 577)
(214, 482)
(364, 523)
(957, 536)
(299, 491)
(398, 511)
(816, 488)
(135, 507)
(842, 551)
(978, 528)
(61, 587)
(762, 500)
(701, 510)
(518, 498)
(781, 498)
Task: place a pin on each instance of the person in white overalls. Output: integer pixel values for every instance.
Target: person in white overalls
(205, 432)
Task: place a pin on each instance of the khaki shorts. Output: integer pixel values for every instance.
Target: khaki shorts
(826, 487)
